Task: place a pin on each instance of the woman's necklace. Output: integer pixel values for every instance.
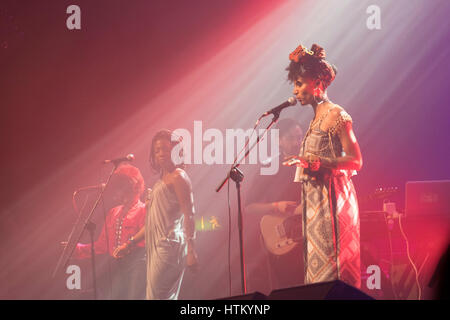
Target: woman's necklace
(313, 122)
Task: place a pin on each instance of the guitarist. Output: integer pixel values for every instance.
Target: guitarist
(272, 195)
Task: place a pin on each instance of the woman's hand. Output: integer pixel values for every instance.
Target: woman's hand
(285, 206)
(299, 161)
(121, 251)
(313, 162)
(192, 260)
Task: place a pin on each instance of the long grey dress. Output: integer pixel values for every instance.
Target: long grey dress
(165, 244)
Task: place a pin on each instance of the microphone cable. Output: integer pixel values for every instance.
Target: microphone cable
(391, 257)
(409, 257)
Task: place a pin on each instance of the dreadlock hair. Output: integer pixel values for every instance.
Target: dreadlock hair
(168, 136)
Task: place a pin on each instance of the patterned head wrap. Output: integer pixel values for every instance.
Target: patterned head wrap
(311, 63)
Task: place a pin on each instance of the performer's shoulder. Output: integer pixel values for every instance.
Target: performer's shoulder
(337, 112)
(180, 173)
(180, 176)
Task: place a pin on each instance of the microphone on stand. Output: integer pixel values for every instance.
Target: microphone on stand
(276, 111)
(129, 157)
(97, 186)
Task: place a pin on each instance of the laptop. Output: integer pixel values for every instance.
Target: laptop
(427, 198)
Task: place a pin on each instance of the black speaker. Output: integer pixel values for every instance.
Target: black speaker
(248, 296)
(333, 290)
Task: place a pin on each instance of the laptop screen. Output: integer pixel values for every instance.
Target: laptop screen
(427, 198)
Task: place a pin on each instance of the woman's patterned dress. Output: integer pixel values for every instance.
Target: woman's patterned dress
(331, 227)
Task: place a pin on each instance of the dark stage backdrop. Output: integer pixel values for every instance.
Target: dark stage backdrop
(71, 98)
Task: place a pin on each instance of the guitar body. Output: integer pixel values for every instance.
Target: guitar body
(280, 233)
(283, 233)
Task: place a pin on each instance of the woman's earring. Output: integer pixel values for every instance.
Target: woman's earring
(317, 92)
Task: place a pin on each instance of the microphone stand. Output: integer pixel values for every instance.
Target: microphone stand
(77, 232)
(237, 176)
(90, 226)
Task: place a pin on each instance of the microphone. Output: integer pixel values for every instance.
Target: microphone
(276, 111)
(97, 186)
(129, 157)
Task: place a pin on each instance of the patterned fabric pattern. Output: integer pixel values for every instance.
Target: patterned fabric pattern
(331, 226)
